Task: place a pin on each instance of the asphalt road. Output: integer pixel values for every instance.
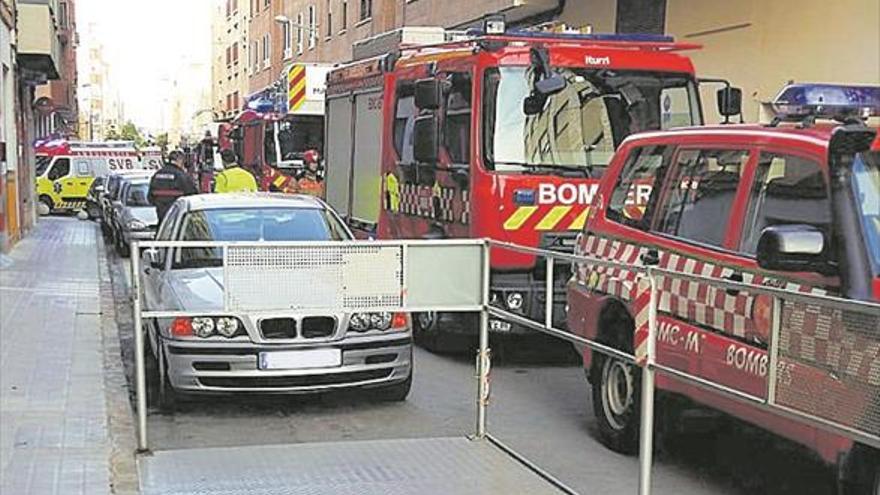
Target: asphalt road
(539, 408)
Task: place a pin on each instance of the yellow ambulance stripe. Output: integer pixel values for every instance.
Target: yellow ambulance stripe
(581, 219)
(553, 217)
(519, 217)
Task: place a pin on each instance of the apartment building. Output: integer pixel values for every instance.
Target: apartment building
(230, 67)
(56, 105)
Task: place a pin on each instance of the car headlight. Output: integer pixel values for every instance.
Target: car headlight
(227, 327)
(203, 327)
(514, 301)
(136, 225)
(380, 321)
(359, 322)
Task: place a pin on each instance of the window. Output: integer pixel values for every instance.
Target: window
(404, 121)
(787, 189)
(366, 9)
(329, 20)
(60, 169)
(235, 53)
(457, 119)
(136, 195)
(62, 15)
(83, 169)
(287, 36)
(641, 16)
(313, 28)
(644, 169)
(343, 11)
(700, 194)
(266, 3)
(255, 57)
(267, 51)
(299, 33)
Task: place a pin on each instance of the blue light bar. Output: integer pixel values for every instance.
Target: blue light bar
(832, 101)
(633, 37)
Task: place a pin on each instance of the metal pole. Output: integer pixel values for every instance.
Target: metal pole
(646, 435)
(140, 371)
(483, 362)
(774, 350)
(548, 294)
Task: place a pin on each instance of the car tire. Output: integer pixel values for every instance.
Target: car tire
(122, 249)
(397, 392)
(47, 203)
(864, 478)
(164, 397)
(616, 389)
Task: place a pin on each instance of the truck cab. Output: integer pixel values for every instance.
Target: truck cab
(794, 205)
(502, 136)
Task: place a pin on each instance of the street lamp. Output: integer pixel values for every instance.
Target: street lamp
(283, 19)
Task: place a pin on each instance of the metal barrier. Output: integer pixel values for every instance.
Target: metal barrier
(829, 344)
(334, 277)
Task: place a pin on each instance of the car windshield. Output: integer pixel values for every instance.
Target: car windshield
(296, 136)
(42, 163)
(137, 195)
(581, 125)
(253, 224)
(866, 183)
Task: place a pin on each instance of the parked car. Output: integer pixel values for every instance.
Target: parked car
(254, 352)
(782, 205)
(111, 198)
(93, 202)
(136, 218)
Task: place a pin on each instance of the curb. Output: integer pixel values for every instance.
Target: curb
(123, 467)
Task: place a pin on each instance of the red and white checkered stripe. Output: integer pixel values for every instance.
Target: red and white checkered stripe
(105, 153)
(700, 303)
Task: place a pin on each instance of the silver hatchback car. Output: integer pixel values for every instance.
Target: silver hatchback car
(288, 352)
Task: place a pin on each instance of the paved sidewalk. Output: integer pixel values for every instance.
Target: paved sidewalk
(54, 435)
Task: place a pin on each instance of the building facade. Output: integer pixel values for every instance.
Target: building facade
(57, 111)
(230, 68)
(30, 56)
(758, 46)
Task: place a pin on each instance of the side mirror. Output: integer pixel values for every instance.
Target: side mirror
(152, 258)
(426, 139)
(428, 94)
(550, 85)
(792, 248)
(729, 101)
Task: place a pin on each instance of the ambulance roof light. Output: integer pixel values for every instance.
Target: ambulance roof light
(826, 101)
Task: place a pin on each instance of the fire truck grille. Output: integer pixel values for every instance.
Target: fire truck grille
(278, 328)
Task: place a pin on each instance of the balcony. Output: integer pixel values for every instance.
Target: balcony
(39, 48)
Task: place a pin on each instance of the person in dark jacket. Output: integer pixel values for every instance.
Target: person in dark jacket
(169, 183)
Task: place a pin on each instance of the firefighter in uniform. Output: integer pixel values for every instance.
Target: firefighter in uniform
(233, 178)
(310, 182)
(169, 183)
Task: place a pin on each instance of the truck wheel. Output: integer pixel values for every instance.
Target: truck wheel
(425, 331)
(397, 392)
(617, 395)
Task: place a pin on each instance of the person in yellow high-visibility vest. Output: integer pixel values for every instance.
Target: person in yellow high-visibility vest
(233, 178)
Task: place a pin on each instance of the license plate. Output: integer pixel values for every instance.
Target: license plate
(296, 360)
(499, 326)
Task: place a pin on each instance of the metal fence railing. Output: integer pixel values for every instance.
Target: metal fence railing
(805, 356)
(791, 350)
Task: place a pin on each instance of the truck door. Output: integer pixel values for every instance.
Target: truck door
(62, 181)
(84, 175)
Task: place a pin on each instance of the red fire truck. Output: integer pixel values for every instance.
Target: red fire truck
(496, 135)
(279, 125)
(794, 206)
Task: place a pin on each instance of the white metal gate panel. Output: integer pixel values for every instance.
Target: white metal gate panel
(329, 277)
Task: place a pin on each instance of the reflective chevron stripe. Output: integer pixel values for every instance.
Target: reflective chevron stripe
(555, 218)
